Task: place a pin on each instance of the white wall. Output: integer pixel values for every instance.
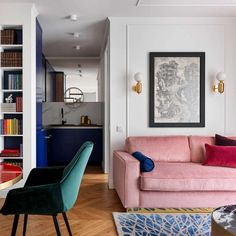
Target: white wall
(88, 83)
(131, 40)
(105, 89)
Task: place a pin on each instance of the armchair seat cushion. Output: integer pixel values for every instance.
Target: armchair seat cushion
(188, 177)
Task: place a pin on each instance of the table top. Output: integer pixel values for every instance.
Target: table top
(225, 217)
(9, 175)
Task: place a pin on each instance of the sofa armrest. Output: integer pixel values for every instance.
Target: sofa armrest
(126, 173)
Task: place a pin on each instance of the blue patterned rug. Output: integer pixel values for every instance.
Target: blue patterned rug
(163, 224)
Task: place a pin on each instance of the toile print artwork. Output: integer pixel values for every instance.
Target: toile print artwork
(177, 89)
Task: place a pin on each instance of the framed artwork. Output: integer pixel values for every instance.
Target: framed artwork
(177, 89)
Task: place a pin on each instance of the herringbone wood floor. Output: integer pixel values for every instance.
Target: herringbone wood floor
(91, 215)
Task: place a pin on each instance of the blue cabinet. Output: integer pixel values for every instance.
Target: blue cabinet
(65, 142)
(41, 148)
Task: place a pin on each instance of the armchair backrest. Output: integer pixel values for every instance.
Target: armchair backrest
(73, 174)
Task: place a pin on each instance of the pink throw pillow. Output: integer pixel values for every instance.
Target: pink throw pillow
(220, 156)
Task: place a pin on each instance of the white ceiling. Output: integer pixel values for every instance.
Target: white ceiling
(57, 28)
(200, 3)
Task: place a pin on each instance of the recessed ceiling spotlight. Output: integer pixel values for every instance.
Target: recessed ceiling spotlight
(77, 47)
(73, 17)
(76, 34)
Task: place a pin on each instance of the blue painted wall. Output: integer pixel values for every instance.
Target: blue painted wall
(40, 139)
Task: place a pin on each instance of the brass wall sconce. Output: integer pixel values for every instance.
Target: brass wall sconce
(220, 87)
(138, 87)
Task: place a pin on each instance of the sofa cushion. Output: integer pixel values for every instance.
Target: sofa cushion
(161, 148)
(188, 177)
(224, 141)
(220, 156)
(197, 147)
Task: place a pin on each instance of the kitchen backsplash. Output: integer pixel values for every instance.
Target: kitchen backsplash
(72, 113)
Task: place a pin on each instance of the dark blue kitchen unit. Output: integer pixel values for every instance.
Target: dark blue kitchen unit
(63, 142)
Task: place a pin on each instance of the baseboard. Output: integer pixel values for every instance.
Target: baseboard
(111, 184)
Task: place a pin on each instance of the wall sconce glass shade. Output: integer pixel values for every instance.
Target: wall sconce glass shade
(138, 87)
(220, 87)
(138, 76)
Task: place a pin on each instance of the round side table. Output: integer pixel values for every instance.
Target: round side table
(223, 221)
(9, 175)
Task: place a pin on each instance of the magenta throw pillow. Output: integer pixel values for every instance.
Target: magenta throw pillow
(224, 141)
(220, 156)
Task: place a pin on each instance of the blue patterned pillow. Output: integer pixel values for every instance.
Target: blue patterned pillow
(146, 163)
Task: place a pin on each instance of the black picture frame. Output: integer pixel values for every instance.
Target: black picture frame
(188, 84)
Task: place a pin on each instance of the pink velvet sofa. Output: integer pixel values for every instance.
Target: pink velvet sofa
(178, 180)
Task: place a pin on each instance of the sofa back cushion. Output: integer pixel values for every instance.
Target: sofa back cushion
(197, 147)
(161, 148)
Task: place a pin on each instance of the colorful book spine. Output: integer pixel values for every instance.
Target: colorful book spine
(11, 126)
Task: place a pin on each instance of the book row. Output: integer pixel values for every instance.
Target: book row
(14, 81)
(8, 36)
(11, 59)
(11, 126)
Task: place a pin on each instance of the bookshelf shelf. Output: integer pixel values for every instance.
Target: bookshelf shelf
(13, 113)
(12, 90)
(11, 68)
(11, 46)
(11, 158)
(11, 135)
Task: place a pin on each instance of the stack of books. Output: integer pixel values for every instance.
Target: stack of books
(14, 81)
(11, 126)
(12, 152)
(19, 104)
(8, 36)
(8, 107)
(11, 59)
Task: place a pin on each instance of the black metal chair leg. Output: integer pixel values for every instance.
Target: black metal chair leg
(14, 226)
(25, 224)
(67, 223)
(56, 225)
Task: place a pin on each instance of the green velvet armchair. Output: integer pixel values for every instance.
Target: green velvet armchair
(48, 191)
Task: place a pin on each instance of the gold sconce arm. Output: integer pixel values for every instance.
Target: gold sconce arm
(220, 87)
(138, 87)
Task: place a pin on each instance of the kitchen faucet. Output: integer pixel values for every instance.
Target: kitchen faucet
(63, 121)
